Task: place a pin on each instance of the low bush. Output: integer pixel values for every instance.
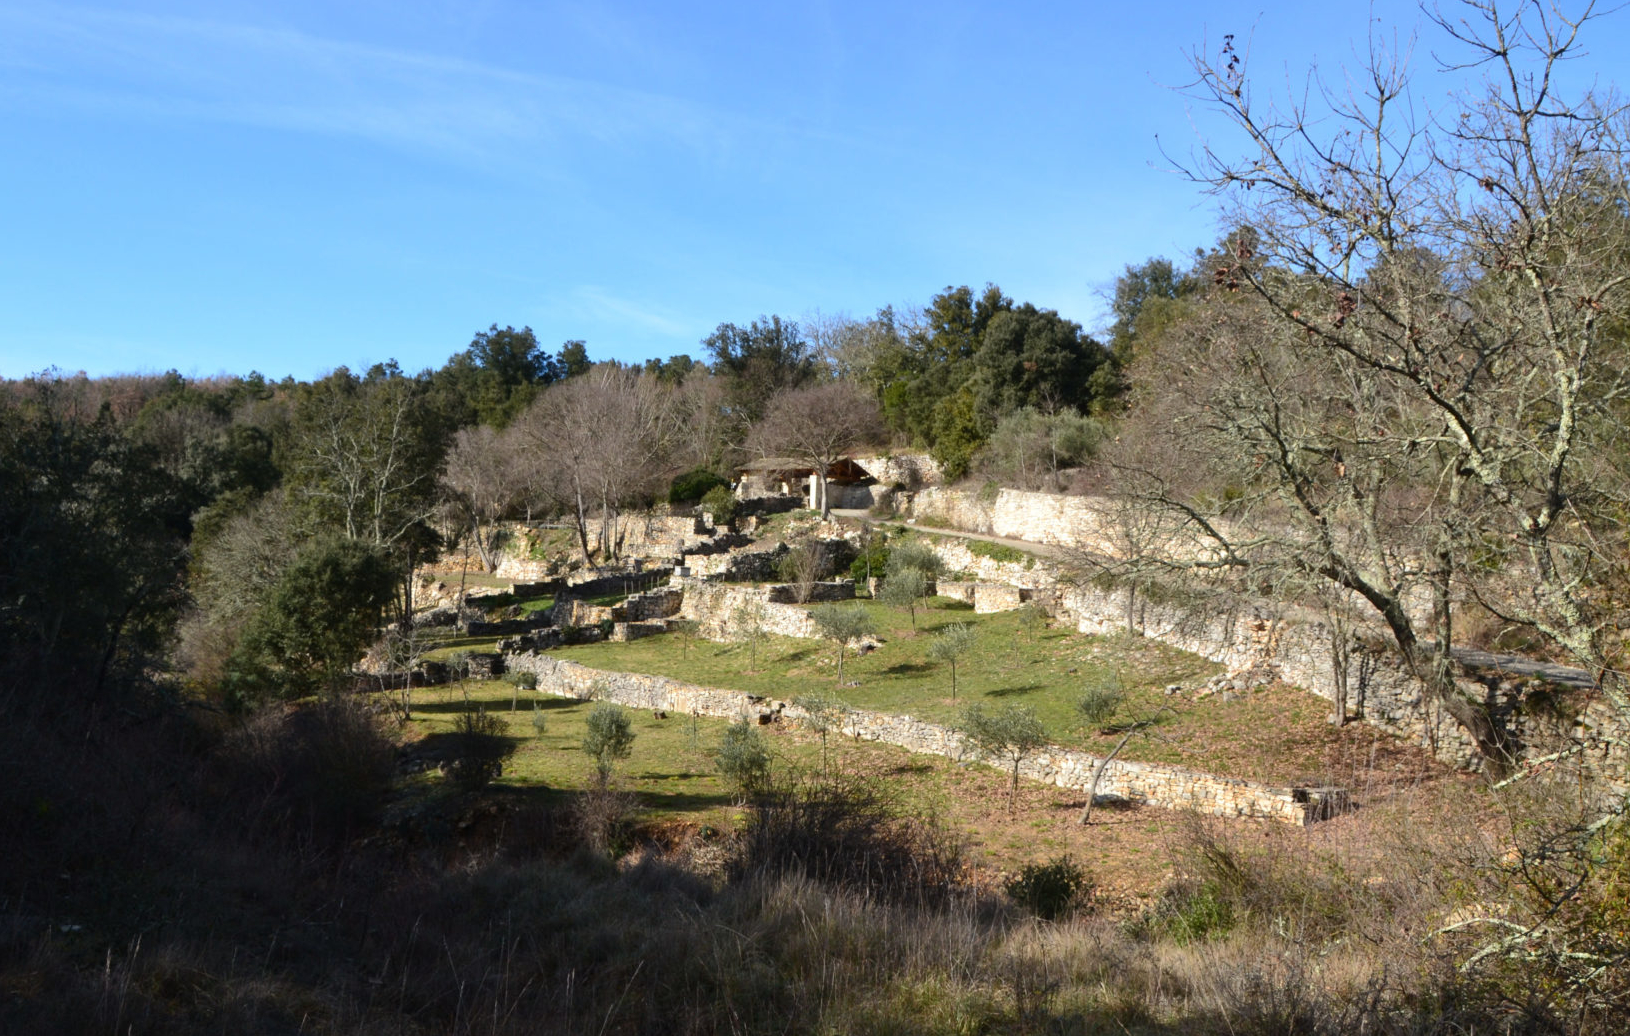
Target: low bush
(720, 502)
(479, 749)
(1050, 890)
(321, 769)
(744, 759)
(869, 563)
(1000, 553)
(1100, 701)
(694, 485)
(604, 817)
(848, 833)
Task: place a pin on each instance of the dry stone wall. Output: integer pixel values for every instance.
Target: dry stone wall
(1540, 715)
(958, 557)
(1381, 690)
(1065, 521)
(739, 565)
(716, 610)
(1093, 524)
(907, 470)
(1152, 784)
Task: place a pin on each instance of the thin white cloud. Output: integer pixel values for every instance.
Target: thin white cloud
(602, 304)
(194, 69)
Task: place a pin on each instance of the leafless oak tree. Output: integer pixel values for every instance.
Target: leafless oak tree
(818, 424)
(483, 479)
(1408, 379)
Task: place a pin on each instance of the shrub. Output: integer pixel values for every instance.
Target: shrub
(694, 485)
(720, 502)
(524, 681)
(871, 562)
(320, 770)
(1000, 552)
(609, 737)
(915, 555)
(1191, 913)
(847, 832)
(744, 759)
(803, 566)
(1099, 702)
(604, 819)
(1050, 890)
(479, 749)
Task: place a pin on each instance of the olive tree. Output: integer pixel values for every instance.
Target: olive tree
(748, 625)
(903, 589)
(1010, 735)
(953, 642)
(823, 713)
(607, 737)
(744, 759)
(842, 624)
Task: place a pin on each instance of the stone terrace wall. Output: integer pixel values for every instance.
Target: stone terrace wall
(650, 535)
(1087, 523)
(1300, 651)
(958, 557)
(910, 470)
(713, 607)
(1391, 698)
(1064, 521)
(1167, 787)
(739, 565)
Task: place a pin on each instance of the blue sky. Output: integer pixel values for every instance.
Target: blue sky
(289, 187)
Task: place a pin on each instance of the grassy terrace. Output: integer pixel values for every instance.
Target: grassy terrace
(672, 772)
(1277, 735)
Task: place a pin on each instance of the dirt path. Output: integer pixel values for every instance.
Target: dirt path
(1041, 550)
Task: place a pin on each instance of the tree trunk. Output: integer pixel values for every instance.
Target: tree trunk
(482, 548)
(1098, 774)
(583, 528)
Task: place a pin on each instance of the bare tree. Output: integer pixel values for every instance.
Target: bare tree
(367, 454)
(818, 424)
(482, 478)
(1407, 381)
(606, 435)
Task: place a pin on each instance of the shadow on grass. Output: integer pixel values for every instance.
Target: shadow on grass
(1158, 720)
(685, 801)
(909, 769)
(451, 744)
(1013, 692)
(909, 669)
(457, 705)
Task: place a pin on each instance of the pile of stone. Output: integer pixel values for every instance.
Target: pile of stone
(1230, 686)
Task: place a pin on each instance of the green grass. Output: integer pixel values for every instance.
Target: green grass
(1275, 735)
(671, 771)
(1001, 552)
(670, 768)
